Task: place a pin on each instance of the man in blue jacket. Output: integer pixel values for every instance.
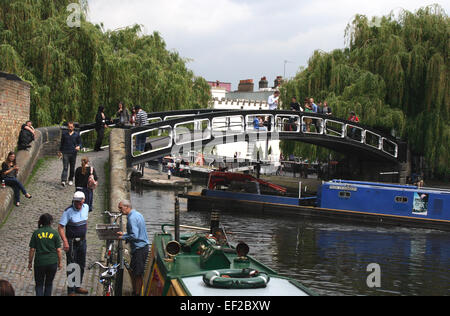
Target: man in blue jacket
(137, 237)
(70, 146)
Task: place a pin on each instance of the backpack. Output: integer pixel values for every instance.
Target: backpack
(92, 184)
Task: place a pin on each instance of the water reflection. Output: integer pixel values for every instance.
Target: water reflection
(330, 258)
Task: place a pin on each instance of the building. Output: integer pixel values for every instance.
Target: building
(220, 85)
(14, 110)
(245, 98)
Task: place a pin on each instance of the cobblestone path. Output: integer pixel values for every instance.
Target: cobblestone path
(49, 197)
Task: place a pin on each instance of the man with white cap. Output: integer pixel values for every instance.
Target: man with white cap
(72, 229)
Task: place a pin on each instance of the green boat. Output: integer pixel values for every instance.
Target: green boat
(203, 263)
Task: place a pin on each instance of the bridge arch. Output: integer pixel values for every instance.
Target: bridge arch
(195, 128)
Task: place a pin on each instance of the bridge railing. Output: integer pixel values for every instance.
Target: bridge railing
(177, 129)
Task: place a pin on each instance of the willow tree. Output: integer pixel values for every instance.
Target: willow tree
(394, 74)
(73, 70)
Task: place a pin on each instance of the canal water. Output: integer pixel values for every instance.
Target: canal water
(331, 258)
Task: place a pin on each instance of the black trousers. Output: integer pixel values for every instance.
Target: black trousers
(69, 160)
(44, 277)
(76, 255)
(100, 134)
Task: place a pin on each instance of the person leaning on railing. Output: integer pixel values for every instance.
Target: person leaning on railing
(123, 115)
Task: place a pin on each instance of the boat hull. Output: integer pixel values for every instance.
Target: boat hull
(229, 203)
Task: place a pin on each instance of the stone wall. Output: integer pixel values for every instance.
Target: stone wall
(14, 111)
(119, 187)
(43, 145)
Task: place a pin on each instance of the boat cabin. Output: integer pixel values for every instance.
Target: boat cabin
(205, 265)
(385, 199)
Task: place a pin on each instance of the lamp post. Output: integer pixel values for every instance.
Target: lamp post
(286, 62)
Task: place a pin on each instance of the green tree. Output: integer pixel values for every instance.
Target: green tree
(394, 74)
(73, 70)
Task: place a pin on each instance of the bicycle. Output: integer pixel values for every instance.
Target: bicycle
(114, 254)
(108, 277)
(110, 243)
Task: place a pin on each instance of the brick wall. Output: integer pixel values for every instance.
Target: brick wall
(14, 111)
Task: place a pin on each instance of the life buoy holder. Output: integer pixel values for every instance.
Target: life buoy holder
(236, 279)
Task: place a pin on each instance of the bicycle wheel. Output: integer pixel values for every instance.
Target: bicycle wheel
(111, 290)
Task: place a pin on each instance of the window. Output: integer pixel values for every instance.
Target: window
(401, 199)
(345, 195)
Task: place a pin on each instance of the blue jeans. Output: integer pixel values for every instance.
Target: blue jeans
(17, 186)
(140, 142)
(76, 254)
(44, 277)
(68, 160)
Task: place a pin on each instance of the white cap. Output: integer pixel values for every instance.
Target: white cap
(78, 196)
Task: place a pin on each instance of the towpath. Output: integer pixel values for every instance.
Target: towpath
(49, 197)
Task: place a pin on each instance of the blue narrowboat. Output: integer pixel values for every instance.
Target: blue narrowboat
(400, 205)
(386, 199)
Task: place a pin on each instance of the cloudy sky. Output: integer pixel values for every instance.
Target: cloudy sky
(230, 40)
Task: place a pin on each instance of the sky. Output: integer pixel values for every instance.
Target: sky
(232, 40)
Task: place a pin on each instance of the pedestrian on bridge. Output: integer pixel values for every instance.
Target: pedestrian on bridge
(353, 118)
(273, 100)
(141, 120)
(123, 115)
(100, 125)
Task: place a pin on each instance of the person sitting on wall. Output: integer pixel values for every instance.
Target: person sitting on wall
(9, 173)
(26, 136)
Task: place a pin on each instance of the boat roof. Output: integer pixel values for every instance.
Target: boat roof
(277, 286)
(387, 186)
(189, 267)
(233, 176)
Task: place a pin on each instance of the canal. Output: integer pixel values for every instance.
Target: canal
(331, 258)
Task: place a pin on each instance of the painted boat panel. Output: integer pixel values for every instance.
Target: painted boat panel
(380, 199)
(252, 197)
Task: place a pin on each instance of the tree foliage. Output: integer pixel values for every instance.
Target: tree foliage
(73, 70)
(394, 74)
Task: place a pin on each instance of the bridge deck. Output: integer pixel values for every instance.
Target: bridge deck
(174, 131)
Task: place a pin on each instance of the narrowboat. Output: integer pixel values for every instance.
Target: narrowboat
(203, 263)
(401, 205)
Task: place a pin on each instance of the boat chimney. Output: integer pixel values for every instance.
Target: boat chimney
(215, 221)
(177, 219)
